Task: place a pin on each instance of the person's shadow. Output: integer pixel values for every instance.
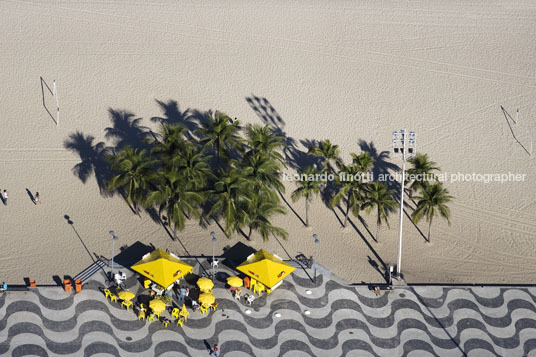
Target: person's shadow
(207, 345)
(29, 194)
(2, 198)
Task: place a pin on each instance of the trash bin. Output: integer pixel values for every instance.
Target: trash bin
(33, 284)
(78, 286)
(67, 285)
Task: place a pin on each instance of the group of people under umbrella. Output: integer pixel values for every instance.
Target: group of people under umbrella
(263, 272)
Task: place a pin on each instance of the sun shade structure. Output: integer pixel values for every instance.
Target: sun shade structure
(205, 284)
(162, 268)
(126, 295)
(235, 281)
(157, 306)
(206, 299)
(266, 268)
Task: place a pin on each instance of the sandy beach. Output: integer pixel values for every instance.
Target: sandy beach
(351, 72)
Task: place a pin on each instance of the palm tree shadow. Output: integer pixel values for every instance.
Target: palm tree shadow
(368, 245)
(93, 160)
(291, 208)
(172, 115)
(126, 130)
(414, 225)
(382, 166)
(294, 157)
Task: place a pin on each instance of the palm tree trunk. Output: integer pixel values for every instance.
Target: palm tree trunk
(429, 229)
(306, 212)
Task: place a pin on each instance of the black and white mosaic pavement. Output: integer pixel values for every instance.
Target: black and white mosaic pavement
(341, 321)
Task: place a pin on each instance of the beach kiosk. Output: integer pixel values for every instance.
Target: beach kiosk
(162, 268)
(266, 268)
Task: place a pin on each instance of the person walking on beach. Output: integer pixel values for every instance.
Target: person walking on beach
(215, 350)
(4, 196)
(36, 198)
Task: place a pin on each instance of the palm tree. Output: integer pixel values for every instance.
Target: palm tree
(194, 166)
(262, 139)
(432, 202)
(230, 192)
(135, 173)
(364, 162)
(328, 152)
(260, 208)
(422, 167)
(349, 189)
(380, 197)
(176, 196)
(220, 132)
(307, 188)
(262, 171)
(172, 145)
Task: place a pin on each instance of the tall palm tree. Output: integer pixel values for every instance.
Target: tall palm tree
(171, 146)
(262, 171)
(423, 167)
(230, 191)
(262, 139)
(364, 162)
(328, 152)
(307, 189)
(432, 202)
(221, 133)
(194, 166)
(135, 172)
(260, 208)
(176, 196)
(348, 189)
(379, 197)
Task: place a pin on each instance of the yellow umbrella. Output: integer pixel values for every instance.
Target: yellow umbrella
(162, 268)
(206, 299)
(157, 306)
(126, 295)
(266, 268)
(205, 284)
(234, 281)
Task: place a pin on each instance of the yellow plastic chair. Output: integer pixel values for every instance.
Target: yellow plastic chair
(180, 322)
(146, 283)
(214, 306)
(184, 313)
(165, 323)
(113, 298)
(126, 304)
(141, 315)
(107, 293)
(259, 288)
(252, 284)
(151, 317)
(268, 291)
(175, 313)
(203, 309)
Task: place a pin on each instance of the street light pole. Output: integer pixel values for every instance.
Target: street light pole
(405, 149)
(213, 251)
(114, 238)
(315, 236)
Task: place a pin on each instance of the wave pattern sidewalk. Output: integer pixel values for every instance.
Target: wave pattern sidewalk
(343, 321)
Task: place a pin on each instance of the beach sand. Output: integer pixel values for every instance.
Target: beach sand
(339, 70)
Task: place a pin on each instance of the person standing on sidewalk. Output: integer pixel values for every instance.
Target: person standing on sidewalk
(37, 198)
(5, 196)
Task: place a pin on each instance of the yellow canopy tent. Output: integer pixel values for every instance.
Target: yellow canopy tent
(162, 268)
(266, 268)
